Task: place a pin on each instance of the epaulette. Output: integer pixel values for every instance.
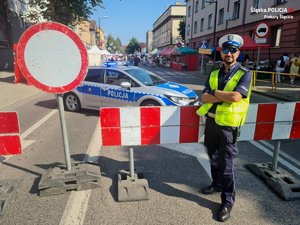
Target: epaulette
(244, 69)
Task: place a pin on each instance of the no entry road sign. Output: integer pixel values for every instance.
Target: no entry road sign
(52, 57)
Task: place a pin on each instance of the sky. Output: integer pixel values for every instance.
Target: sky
(130, 18)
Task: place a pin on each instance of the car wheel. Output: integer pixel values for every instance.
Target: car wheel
(150, 103)
(71, 102)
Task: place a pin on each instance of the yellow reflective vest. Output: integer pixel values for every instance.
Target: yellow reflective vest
(228, 113)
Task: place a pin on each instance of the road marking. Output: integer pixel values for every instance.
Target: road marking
(295, 161)
(37, 124)
(76, 207)
(281, 160)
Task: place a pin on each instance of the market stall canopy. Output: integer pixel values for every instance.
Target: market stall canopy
(105, 52)
(250, 44)
(185, 51)
(94, 50)
(166, 52)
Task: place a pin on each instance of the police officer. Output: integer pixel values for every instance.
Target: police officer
(225, 101)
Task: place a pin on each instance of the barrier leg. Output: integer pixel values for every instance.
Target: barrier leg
(283, 183)
(275, 155)
(132, 186)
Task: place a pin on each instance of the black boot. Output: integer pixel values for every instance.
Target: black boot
(224, 214)
(210, 190)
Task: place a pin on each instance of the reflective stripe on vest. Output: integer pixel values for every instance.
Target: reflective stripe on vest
(228, 114)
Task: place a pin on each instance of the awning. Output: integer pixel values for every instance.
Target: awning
(166, 52)
(184, 51)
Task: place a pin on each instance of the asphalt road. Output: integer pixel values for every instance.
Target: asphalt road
(175, 174)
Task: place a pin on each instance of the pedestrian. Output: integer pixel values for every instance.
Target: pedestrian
(226, 100)
(294, 67)
(280, 66)
(245, 62)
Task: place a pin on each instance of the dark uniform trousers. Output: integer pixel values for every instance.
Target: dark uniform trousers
(222, 151)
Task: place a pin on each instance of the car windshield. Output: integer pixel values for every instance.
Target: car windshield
(146, 77)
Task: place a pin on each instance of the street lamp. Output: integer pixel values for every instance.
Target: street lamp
(103, 18)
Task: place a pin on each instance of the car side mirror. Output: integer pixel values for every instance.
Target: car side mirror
(126, 85)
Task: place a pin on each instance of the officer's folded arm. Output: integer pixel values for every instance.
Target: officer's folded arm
(208, 98)
(228, 96)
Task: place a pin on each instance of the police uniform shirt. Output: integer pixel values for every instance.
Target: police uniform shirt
(223, 77)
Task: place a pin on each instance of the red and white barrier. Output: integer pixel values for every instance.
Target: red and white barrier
(161, 125)
(10, 142)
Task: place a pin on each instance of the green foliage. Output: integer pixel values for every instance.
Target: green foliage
(114, 45)
(68, 12)
(133, 46)
(181, 29)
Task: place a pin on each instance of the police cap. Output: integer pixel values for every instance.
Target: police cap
(231, 40)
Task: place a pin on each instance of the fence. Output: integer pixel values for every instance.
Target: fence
(273, 77)
(161, 125)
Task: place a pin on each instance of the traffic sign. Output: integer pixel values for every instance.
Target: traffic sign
(262, 30)
(205, 51)
(52, 57)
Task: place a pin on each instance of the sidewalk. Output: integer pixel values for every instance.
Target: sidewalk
(12, 93)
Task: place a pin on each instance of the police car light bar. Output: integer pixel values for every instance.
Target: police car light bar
(109, 64)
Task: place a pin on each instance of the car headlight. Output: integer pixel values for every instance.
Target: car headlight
(176, 99)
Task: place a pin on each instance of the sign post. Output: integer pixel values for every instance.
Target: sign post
(54, 59)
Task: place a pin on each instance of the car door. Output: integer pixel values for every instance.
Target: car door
(90, 89)
(112, 93)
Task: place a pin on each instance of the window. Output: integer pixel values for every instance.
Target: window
(188, 29)
(197, 6)
(202, 25)
(203, 4)
(276, 35)
(221, 16)
(236, 10)
(256, 4)
(95, 75)
(209, 21)
(114, 77)
(278, 2)
(189, 11)
(195, 27)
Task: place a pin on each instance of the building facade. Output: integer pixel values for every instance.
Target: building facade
(165, 28)
(208, 21)
(12, 26)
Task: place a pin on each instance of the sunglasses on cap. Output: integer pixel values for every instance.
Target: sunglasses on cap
(231, 50)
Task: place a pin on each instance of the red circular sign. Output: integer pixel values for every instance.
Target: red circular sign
(52, 57)
(262, 30)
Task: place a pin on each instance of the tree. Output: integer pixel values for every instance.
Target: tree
(63, 11)
(181, 29)
(114, 45)
(133, 46)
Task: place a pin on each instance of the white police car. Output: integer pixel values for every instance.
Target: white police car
(126, 86)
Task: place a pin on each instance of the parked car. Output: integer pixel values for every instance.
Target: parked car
(116, 85)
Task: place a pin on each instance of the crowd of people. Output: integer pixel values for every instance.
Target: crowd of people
(287, 64)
